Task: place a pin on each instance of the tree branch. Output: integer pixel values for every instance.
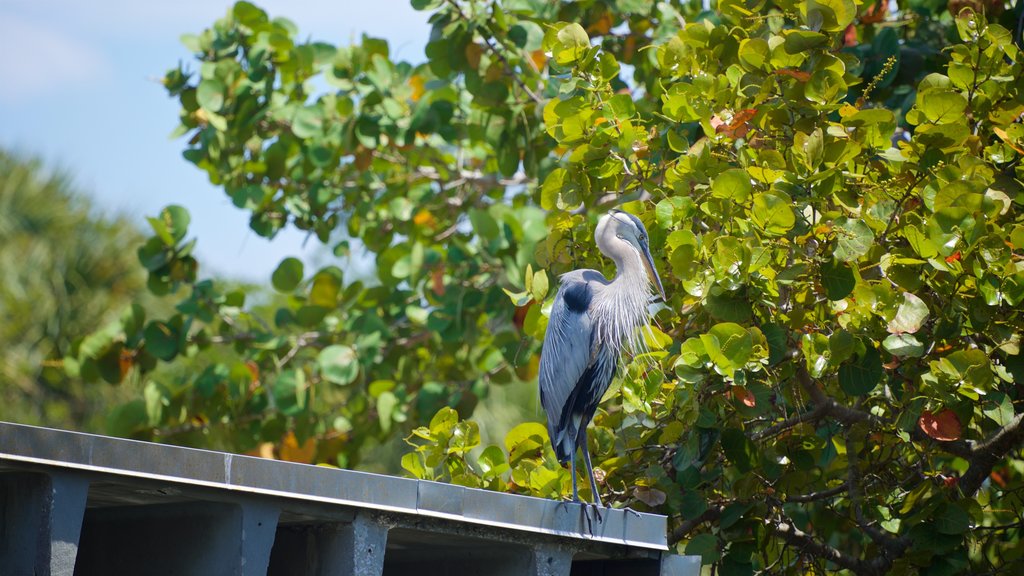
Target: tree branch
(844, 414)
(775, 429)
(820, 495)
(687, 526)
(986, 454)
(807, 543)
(892, 547)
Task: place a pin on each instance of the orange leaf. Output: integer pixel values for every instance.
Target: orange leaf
(875, 13)
(850, 36)
(292, 452)
(473, 53)
(125, 362)
(629, 49)
(539, 59)
(943, 425)
(424, 218)
(519, 316)
(364, 156)
(741, 394)
(742, 116)
(1006, 138)
(737, 127)
(954, 257)
(601, 26)
(417, 84)
(793, 73)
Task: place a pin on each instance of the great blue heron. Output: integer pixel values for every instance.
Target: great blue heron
(591, 319)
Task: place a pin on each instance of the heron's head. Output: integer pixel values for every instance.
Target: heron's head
(619, 234)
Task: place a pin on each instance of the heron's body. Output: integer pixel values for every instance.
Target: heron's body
(592, 319)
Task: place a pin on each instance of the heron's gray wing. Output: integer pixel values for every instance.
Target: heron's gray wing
(566, 355)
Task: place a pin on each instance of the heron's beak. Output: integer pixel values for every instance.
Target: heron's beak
(652, 272)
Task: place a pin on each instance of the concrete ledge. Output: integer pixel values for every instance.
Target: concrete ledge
(80, 504)
(91, 453)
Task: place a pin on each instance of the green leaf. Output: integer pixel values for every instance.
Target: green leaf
(739, 449)
(386, 404)
(837, 279)
(492, 461)
(728, 306)
(705, 546)
(733, 184)
(308, 122)
(539, 287)
(773, 213)
(326, 288)
(413, 464)
(484, 224)
(622, 107)
(161, 340)
(910, 316)
(951, 519)
(693, 504)
(733, 513)
(860, 376)
(797, 41)
(729, 346)
(830, 15)
(942, 106)
(903, 345)
(338, 364)
(210, 94)
(826, 87)
(287, 275)
(853, 239)
(524, 440)
(841, 346)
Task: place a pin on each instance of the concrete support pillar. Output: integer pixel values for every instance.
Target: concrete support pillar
(259, 527)
(355, 548)
(40, 522)
(551, 560)
(336, 549)
(675, 565)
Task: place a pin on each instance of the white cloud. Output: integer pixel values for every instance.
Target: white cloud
(36, 60)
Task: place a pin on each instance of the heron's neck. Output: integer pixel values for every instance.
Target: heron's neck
(625, 304)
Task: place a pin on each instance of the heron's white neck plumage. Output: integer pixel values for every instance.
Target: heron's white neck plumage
(623, 304)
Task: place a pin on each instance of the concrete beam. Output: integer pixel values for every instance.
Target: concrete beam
(180, 538)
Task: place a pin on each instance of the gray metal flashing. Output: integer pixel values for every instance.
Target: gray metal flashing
(190, 466)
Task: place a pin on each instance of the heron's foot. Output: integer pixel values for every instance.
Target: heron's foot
(628, 509)
(596, 508)
(564, 502)
(588, 519)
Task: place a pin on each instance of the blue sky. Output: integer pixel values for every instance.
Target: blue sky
(78, 87)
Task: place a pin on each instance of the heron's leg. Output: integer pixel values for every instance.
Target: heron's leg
(590, 473)
(572, 471)
(590, 469)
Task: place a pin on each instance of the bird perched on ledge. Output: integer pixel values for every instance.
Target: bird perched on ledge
(591, 319)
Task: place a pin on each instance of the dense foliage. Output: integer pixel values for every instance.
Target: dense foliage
(832, 191)
(65, 271)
